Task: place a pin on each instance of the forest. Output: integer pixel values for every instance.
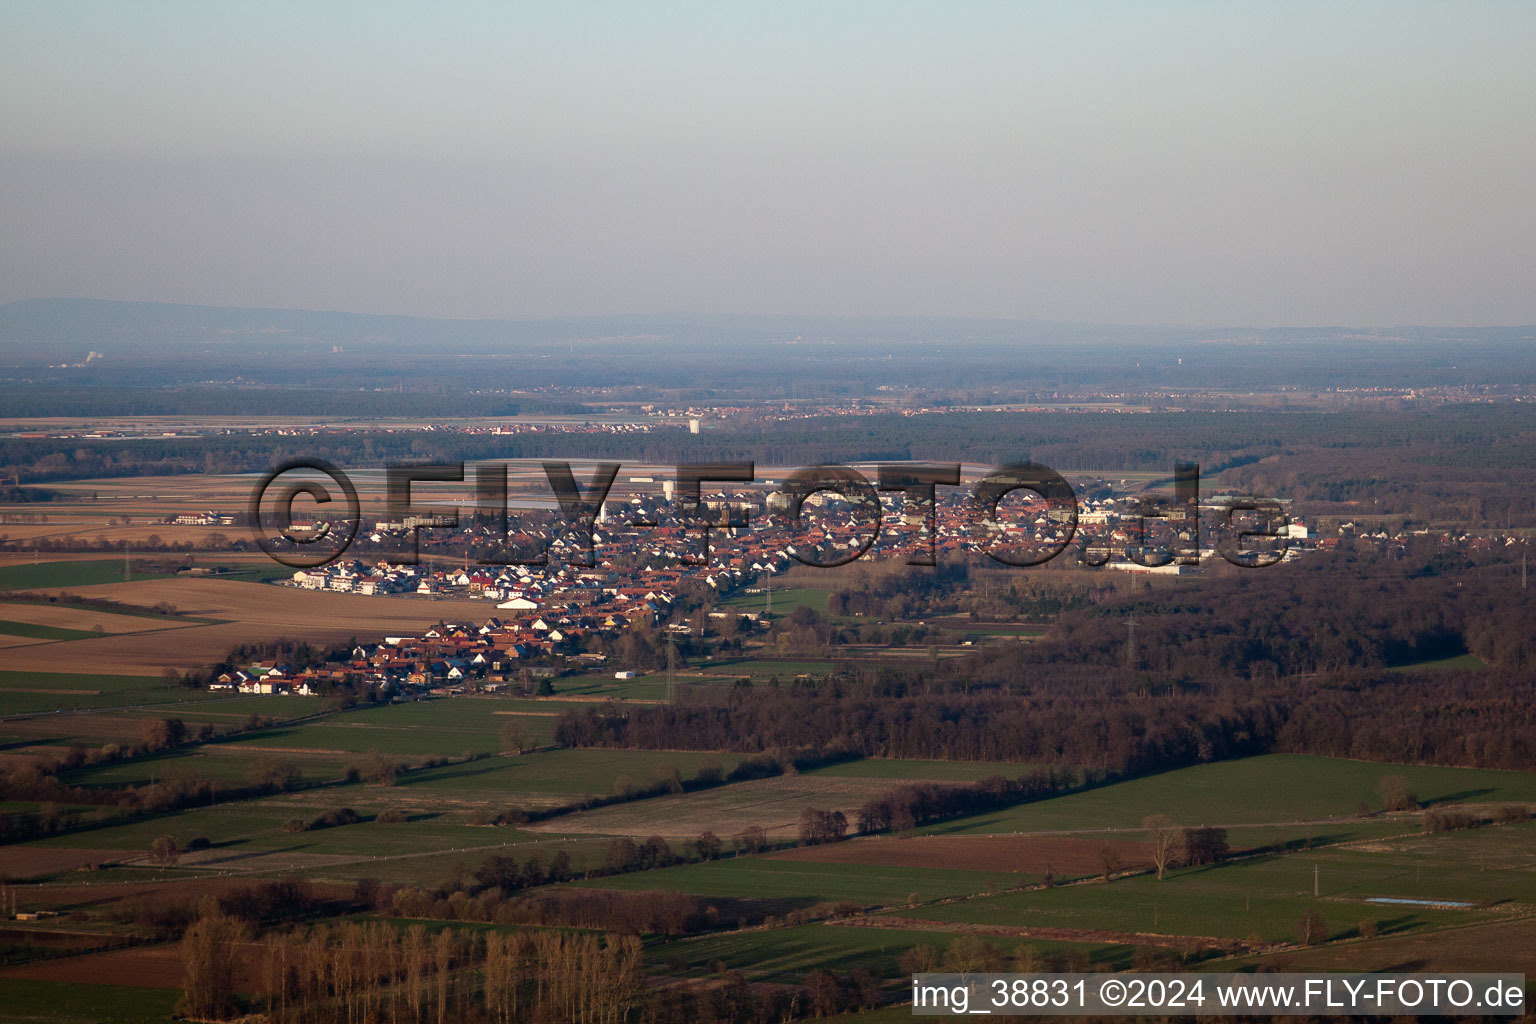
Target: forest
(1304, 659)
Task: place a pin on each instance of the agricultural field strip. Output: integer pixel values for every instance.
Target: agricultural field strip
(555, 835)
(19, 715)
(759, 804)
(199, 701)
(1500, 922)
(333, 861)
(77, 616)
(43, 641)
(1346, 905)
(56, 602)
(1231, 826)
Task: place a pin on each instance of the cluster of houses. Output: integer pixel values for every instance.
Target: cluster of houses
(268, 678)
(201, 519)
(444, 659)
(642, 553)
(450, 658)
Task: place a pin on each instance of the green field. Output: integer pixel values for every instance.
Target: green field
(935, 771)
(651, 687)
(788, 954)
(34, 631)
(1303, 805)
(34, 692)
(247, 827)
(86, 573)
(784, 601)
(445, 728)
(1275, 788)
(95, 727)
(809, 881)
(58, 1002)
(1263, 898)
(764, 668)
(214, 762)
(569, 774)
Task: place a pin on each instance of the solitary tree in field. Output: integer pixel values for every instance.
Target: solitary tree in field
(1109, 860)
(159, 733)
(271, 773)
(1165, 838)
(669, 778)
(1206, 845)
(1395, 795)
(1311, 929)
(1025, 959)
(165, 850)
(381, 768)
(708, 844)
(512, 736)
(752, 839)
(969, 953)
(920, 959)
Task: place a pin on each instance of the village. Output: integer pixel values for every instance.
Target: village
(645, 549)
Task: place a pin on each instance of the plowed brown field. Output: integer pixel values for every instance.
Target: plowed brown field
(256, 611)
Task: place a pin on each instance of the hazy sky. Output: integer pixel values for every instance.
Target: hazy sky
(1212, 163)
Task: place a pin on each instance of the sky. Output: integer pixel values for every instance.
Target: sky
(1257, 164)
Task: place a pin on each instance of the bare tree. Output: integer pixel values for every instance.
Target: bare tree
(708, 845)
(512, 736)
(969, 954)
(1395, 795)
(920, 959)
(1165, 838)
(1311, 929)
(1109, 859)
(165, 850)
(208, 953)
(442, 960)
(752, 839)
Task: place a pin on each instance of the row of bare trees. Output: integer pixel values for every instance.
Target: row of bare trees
(353, 973)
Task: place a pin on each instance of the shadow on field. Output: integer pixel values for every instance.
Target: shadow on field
(458, 771)
(251, 854)
(1297, 845)
(39, 741)
(1457, 798)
